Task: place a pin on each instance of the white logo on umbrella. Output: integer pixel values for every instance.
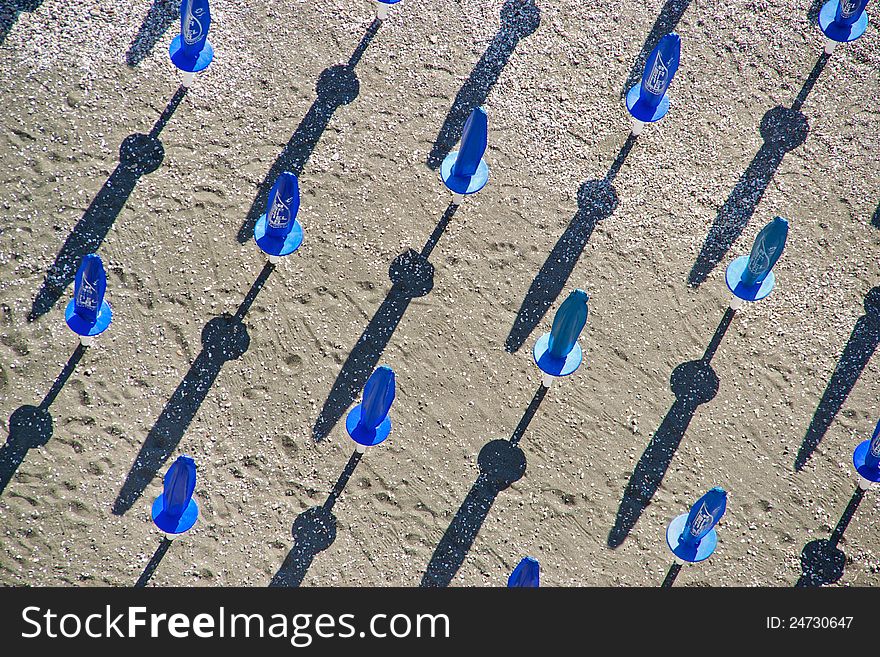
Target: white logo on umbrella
(702, 521)
(875, 446)
(193, 29)
(759, 262)
(656, 82)
(279, 214)
(848, 8)
(88, 296)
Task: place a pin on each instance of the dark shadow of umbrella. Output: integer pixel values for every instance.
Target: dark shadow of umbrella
(31, 426)
(822, 562)
(667, 19)
(337, 85)
(813, 12)
(501, 463)
(412, 275)
(164, 544)
(597, 200)
(858, 351)
(224, 338)
(519, 18)
(783, 129)
(162, 13)
(9, 11)
(693, 383)
(139, 154)
(875, 220)
(314, 530)
(671, 574)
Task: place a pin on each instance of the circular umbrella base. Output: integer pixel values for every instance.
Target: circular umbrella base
(642, 111)
(186, 62)
(549, 364)
(83, 328)
(362, 435)
(689, 553)
(172, 524)
(756, 292)
(865, 471)
(840, 33)
(275, 246)
(463, 184)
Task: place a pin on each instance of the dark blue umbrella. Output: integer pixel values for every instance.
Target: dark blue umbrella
(866, 459)
(465, 171)
(88, 313)
(277, 232)
(368, 423)
(175, 511)
(527, 574)
(190, 50)
(382, 8)
(648, 101)
(558, 353)
(750, 278)
(842, 21)
(692, 536)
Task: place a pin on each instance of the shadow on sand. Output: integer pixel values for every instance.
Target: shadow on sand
(501, 463)
(693, 383)
(224, 338)
(519, 19)
(9, 11)
(783, 129)
(337, 85)
(822, 562)
(859, 348)
(139, 155)
(314, 530)
(161, 15)
(31, 426)
(412, 276)
(597, 201)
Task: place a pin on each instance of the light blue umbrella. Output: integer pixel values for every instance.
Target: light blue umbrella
(465, 171)
(558, 353)
(692, 536)
(750, 278)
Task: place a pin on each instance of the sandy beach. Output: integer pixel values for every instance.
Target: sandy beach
(251, 370)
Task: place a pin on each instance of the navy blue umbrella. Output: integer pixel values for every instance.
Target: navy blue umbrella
(648, 101)
(88, 313)
(692, 536)
(368, 423)
(190, 51)
(527, 574)
(175, 511)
